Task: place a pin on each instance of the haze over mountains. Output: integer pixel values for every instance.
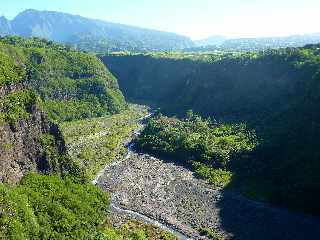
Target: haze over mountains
(80, 31)
(249, 44)
(101, 36)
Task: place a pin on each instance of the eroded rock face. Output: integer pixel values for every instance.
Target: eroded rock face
(20, 148)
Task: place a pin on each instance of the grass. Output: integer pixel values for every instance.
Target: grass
(134, 230)
(216, 176)
(210, 233)
(95, 142)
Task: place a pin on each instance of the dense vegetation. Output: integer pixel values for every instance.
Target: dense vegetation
(210, 148)
(89, 34)
(48, 207)
(95, 142)
(44, 207)
(69, 85)
(72, 84)
(17, 105)
(274, 92)
(10, 72)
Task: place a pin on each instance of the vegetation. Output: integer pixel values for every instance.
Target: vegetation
(135, 230)
(209, 148)
(233, 86)
(10, 72)
(47, 207)
(73, 85)
(210, 233)
(17, 105)
(275, 92)
(95, 142)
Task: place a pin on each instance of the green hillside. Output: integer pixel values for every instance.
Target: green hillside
(275, 93)
(72, 84)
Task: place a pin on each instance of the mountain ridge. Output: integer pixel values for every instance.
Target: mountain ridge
(91, 34)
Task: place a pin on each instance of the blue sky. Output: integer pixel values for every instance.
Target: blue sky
(195, 18)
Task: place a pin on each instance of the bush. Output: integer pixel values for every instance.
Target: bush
(48, 207)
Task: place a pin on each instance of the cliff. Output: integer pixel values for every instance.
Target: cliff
(22, 147)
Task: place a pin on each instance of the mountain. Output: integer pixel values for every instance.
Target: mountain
(5, 26)
(253, 44)
(213, 40)
(90, 34)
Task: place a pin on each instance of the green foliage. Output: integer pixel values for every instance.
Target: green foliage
(47, 207)
(210, 147)
(73, 85)
(135, 230)
(275, 92)
(10, 71)
(94, 143)
(217, 177)
(17, 105)
(210, 233)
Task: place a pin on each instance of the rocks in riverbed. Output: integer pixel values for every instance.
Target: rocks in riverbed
(172, 194)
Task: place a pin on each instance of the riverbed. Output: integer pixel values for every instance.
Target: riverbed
(160, 192)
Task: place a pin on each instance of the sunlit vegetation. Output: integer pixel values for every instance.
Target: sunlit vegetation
(206, 146)
(134, 230)
(210, 233)
(17, 105)
(10, 71)
(95, 142)
(72, 84)
(48, 207)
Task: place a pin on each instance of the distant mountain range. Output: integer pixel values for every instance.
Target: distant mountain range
(252, 44)
(213, 40)
(101, 36)
(90, 34)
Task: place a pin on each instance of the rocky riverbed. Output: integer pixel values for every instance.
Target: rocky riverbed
(163, 193)
(171, 194)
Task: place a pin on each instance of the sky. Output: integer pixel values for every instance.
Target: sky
(194, 18)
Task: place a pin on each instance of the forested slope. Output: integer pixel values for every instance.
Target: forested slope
(276, 93)
(44, 193)
(72, 84)
(28, 140)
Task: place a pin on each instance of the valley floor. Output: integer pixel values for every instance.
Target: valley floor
(157, 190)
(172, 194)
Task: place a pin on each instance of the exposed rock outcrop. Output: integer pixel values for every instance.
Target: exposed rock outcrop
(21, 149)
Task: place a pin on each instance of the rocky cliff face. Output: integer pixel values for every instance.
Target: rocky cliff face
(21, 146)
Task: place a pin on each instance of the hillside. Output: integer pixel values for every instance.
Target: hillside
(276, 93)
(5, 26)
(45, 193)
(90, 34)
(210, 41)
(218, 43)
(72, 84)
(28, 140)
